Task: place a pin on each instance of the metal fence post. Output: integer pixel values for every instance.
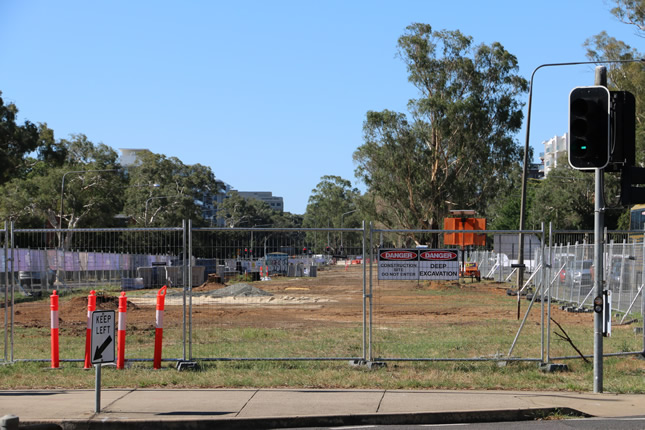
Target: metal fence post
(6, 293)
(12, 283)
(365, 295)
(369, 344)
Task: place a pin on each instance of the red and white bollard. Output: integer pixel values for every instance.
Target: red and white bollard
(120, 336)
(54, 332)
(161, 300)
(91, 307)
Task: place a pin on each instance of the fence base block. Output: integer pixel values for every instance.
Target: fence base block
(187, 365)
(368, 364)
(553, 367)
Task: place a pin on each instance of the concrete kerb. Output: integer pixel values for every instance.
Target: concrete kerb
(308, 421)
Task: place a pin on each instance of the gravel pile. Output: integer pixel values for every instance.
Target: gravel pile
(238, 290)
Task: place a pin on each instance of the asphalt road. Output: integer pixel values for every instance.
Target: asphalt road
(624, 423)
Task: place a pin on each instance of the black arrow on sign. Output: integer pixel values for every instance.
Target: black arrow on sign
(99, 349)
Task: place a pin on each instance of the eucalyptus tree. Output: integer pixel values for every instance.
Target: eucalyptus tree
(163, 191)
(456, 147)
(70, 184)
(333, 203)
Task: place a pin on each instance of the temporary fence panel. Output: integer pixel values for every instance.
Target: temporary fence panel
(106, 261)
(572, 291)
(313, 294)
(290, 294)
(449, 320)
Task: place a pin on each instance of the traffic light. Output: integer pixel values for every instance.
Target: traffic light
(589, 127)
(622, 142)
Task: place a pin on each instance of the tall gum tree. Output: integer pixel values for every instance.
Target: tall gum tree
(456, 147)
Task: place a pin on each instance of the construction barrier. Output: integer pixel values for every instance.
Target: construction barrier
(120, 340)
(161, 299)
(91, 307)
(54, 330)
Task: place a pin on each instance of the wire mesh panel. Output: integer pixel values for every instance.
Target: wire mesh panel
(77, 264)
(572, 290)
(277, 294)
(452, 318)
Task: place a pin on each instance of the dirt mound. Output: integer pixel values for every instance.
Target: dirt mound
(238, 290)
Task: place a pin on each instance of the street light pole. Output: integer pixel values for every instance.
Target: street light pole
(598, 220)
(520, 254)
(341, 226)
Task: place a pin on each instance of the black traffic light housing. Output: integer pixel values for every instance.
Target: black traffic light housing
(589, 127)
(622, 140)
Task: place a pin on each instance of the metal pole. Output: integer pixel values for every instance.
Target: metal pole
(371, 289)
(542, 289)
(548, 309)
(97, 388)
(520, 255)
(599, 225)
(190, 291)
(341, 225)
(365, 295)
(643, 291)
(13, 285)
(6, 293)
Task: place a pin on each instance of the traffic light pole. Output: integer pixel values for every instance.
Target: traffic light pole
(599, 226)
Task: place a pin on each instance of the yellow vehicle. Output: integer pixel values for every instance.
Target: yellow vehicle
(471, 270)
(637, 217)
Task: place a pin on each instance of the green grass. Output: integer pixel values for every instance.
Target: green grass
(624, 375)
(401, 338)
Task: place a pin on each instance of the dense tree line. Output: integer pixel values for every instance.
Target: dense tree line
(76, 183)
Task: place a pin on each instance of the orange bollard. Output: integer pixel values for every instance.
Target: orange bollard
(120, 336)
(91, 307)
(161, 299)
(54, 326)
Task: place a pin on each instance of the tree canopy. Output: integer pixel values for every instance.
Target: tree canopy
(456, 147)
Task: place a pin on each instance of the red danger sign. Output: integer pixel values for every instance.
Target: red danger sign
(439, 255)
(418, 264)
(398, 255)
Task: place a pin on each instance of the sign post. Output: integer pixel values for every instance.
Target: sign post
(102, 347)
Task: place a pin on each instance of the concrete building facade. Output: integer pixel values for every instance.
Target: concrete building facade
(554, 148)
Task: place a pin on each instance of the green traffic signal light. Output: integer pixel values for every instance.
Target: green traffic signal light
(589, 127)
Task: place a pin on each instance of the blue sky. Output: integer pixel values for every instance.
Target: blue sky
(270, 94)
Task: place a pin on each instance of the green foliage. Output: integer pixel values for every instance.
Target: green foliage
(566, 199)
(631, 12)
(164, 191)
(16, 142)
(456, 149)
(333, 203)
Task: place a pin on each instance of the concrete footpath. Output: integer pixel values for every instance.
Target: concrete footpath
(281, 408)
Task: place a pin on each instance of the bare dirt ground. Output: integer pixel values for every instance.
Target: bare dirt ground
(335, 296)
